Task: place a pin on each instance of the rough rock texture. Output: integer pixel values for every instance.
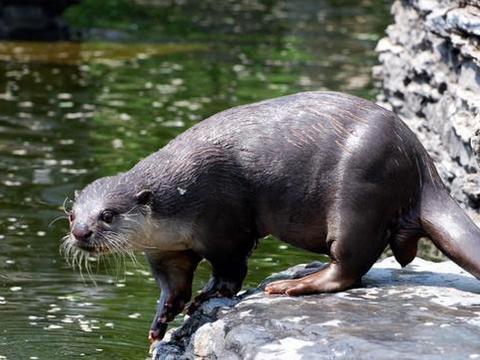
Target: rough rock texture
(430, 76)
(427, 310)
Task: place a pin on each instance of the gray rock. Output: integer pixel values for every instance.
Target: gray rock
(465, 19)
(426, 310)
(475, 141)
(429, 74)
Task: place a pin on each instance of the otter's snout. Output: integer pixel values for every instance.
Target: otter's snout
(81, 232)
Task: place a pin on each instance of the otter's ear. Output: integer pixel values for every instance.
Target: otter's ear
(144, 197)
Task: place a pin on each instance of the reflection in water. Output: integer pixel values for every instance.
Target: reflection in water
(70, 113)
(72, 53)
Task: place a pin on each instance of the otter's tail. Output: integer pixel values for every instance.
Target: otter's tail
(450, 228)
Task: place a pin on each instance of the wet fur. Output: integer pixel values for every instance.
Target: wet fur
(327, 172)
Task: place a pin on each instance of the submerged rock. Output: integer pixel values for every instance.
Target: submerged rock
(426, 310)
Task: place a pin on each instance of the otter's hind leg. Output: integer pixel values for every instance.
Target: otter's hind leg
(354, 249)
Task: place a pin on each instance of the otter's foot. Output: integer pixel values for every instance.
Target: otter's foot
(203, 297)
(226, 281)
(166, 312)
(329, 279)
(157, 333)
(215, 288)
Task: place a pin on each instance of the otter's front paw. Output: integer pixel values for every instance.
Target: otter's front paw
(205, 296)
(157, 332)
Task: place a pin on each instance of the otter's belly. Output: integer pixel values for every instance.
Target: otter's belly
(303, 229)
(315, 241)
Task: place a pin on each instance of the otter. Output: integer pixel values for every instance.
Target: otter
(327, 172)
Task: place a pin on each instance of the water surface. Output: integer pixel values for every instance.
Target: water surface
(73, 112)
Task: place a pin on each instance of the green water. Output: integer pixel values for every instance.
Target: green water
(73, 112)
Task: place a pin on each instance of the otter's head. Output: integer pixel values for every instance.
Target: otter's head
(108, 216)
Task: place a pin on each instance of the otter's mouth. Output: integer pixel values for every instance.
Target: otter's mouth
(92, 249)
(85, 246)
(93, 245)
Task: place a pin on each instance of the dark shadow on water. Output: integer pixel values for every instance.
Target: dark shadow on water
(39, 20)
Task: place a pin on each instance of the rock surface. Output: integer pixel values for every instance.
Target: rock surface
(427, 310)
(430, 76)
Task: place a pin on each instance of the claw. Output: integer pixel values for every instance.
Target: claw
(158, 332)
(190, 309)
(280, 287)
(153, 345)
(193, 307)
(203, 297)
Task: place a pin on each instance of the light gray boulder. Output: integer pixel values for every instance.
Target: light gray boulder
(427, 310)
(429, 74)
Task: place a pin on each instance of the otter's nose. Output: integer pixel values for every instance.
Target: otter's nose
(81, 232)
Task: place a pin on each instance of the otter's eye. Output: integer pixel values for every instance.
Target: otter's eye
(71, 216)
(106, 216)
